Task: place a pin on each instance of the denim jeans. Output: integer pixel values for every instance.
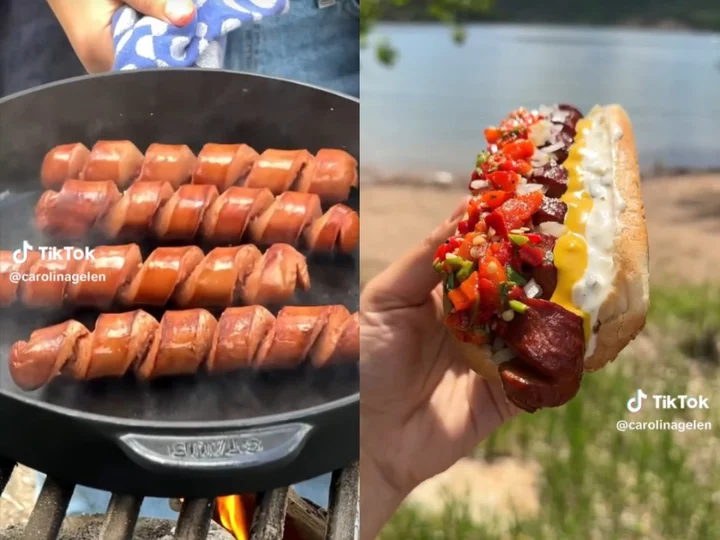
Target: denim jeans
(308, 44)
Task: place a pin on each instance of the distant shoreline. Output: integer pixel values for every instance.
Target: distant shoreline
(668, 24)
(629, 24)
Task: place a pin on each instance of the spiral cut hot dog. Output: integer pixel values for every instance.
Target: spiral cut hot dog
(152, 208)
(330, 174)
(182, 276)
(183, 341)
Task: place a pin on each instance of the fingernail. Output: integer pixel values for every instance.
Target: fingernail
(179, 11)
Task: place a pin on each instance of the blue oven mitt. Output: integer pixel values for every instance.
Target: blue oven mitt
(143, 42)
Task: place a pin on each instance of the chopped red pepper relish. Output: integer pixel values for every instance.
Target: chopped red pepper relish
(496, 249)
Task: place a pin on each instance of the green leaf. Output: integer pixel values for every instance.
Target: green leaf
(386, 54)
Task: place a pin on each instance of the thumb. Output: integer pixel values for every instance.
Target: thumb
(176, 12)
(409, 280)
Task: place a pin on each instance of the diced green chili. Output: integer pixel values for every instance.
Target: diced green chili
(482, 157)
(518, 306)
(518, 239)
(450, 282)
(515, 276)
(455, 262)
(465, 270)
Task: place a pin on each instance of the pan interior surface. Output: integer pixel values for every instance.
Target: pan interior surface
(173, 106)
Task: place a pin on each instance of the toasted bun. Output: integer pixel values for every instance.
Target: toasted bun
(478, 357)
(622, 315)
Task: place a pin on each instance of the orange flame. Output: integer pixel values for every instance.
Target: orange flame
(234, 513)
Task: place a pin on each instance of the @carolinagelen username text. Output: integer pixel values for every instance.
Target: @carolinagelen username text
(56, 277)
(663, 425)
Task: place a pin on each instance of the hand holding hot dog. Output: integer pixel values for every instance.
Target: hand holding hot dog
(87, 24)
(421, 407)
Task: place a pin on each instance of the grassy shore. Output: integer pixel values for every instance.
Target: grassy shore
(594, 481)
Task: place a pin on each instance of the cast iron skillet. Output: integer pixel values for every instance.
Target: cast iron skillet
(193, 436)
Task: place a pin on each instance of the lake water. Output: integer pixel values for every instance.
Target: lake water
(428, 111)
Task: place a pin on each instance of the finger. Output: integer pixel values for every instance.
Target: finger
(409, 280)
(78, 19)
(491, 408)
(176, 12)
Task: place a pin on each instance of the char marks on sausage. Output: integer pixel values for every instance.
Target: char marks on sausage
(223, 165)
(118, 161)
(75, 210)
(553, 176)
(152, 208)
(530, 391)
(549, 342)
(171, 163)
(330, 174)
(62, 163)
(182, 342)
(550, 210)
(181, 276)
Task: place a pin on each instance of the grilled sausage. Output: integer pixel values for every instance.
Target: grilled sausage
(330, 174)
(183, 341)
(550, 344)
(119, 161)
(63, 162)
(223, 165)
(152, 208)
(171, 163)
(553, 176)
(75, 209)
(8, 285)
(182, 276)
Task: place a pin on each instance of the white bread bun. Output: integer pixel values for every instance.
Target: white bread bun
(622, 314)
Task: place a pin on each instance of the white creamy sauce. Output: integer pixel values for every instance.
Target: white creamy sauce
(598, 173)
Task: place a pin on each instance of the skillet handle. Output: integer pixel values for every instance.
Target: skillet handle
(250, 448)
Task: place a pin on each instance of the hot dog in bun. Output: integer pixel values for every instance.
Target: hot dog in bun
(547, 274)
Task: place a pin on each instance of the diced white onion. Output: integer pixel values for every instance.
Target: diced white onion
(524, 189)
(553, 148)
(539, 133)
(532, 289)
(508, 315)
(479, 184)
(545, 110)
(502, 356)
(560, 116)
(553, 228)
(555, 131)
(539, 159)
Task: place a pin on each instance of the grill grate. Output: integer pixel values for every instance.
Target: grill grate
(268, 523)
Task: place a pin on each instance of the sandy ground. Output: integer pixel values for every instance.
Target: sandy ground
(683, 218)
(17, 499)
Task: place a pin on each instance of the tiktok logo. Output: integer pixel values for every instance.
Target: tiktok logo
(21, 255)
(634, 404)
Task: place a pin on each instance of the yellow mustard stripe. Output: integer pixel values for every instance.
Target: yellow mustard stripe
(571, 251)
